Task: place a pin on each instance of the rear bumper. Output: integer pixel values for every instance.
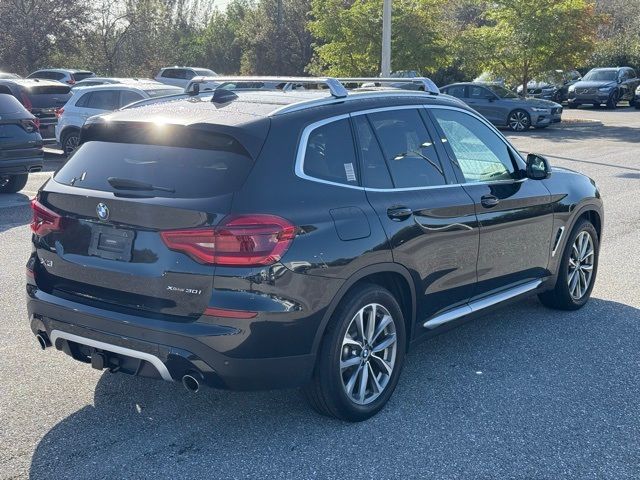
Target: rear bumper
(159, 349)
(17, 166)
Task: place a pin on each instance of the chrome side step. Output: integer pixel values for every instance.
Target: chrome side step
(480, 304)
(152, 359)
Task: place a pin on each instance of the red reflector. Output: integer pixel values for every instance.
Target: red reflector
(26, 101)
(44, 220)
(59, 112)
(223, 312)
(244, 240)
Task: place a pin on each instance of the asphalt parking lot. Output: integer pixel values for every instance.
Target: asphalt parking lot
(523, 393)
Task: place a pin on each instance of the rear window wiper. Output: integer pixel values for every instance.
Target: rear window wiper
(128, 184)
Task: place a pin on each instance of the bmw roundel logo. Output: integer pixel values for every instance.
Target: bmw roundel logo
(103, 211)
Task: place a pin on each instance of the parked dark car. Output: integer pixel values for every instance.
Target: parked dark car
(604, 86)
(636, 98)
(42, 98)
(552, 86)
(20, 145)
(256, 239)
(504, 108)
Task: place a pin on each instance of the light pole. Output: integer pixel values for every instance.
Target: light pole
(385, 64)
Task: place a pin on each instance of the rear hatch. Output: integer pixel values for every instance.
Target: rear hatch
(44, 100)
(103, 218)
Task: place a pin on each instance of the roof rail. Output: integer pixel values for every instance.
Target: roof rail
(424, 82)
(336, 88)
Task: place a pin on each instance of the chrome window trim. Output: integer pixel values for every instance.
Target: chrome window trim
(302, 148)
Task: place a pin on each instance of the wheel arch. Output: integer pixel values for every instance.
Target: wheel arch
(392, 276)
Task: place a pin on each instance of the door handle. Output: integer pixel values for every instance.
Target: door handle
(399, 213)
(489, 201)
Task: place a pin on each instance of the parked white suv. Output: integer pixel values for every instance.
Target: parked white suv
(89, 101)
(62, 75)
(180, 76)
(92, 81)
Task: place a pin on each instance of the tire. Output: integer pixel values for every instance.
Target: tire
(633, 103)
(637, 105)
(612, 103)
(13, 183)
(329, 392)
(69, 141)
(563, 296)
(519, 121)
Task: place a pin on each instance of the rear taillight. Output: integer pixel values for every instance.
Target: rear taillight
(44, 220)
(26, 101)
(244, 240)
(30, 126)
(71, 81)
(59, 112)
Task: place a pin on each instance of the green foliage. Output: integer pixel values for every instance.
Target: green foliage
(524, 38)
(348, 36)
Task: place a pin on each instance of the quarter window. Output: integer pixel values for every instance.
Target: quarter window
(330, 153)
(407, 148)
(482, 155)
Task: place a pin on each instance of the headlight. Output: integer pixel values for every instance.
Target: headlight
(572, 88)
(541, 110)
(638, 90)
(605, 89)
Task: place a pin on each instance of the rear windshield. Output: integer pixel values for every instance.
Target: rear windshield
(9, 104)
(48, 96)
(82, 75)
(49, 90)
(188, 172)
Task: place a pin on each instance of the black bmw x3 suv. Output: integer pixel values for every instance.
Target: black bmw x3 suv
(255, 239)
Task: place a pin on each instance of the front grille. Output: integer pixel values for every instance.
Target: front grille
(585, 91)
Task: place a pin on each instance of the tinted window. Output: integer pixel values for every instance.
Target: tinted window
(375, 173)
(104, 100)
(47, 75)
(632, 73)
(174, 73)
(477, 92)
(83, 100)
(159, 92)
(82, 75)
(47, 96)
(456, 91)
(5, 89)
(9, 103)
(407, 148)
(481, 153)
(330, 154)
(205, 72)
(127, 97)
(190, 172)
(189, 74)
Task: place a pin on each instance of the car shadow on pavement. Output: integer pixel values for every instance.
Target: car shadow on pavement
(523, 392)
(589, 131)
(15, 216)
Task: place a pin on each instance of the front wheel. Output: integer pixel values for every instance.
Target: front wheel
(519, 121)
(361, 356)
(577, 272)
(70, 142)
(13, 183)
(612, 103)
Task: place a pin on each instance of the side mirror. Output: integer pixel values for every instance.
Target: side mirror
(538, 167)
(619, 80)
(193, 89)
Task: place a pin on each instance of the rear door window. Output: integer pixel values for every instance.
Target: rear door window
(104, 100)
(407, 148)
(127, 97)
(82, 75)
(375, 173)
(330, 153)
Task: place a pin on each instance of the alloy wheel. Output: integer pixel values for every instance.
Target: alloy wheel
(581, 263)
(71, 143)
(368, 354)
(519, 121)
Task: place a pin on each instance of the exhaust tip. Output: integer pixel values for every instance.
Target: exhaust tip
(191, 383)
(43, 340)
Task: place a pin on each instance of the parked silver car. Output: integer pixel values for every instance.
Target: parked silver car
(504, 108)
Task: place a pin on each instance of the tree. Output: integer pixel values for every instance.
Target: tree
(526, 38)
(32, 30)
(348, 36)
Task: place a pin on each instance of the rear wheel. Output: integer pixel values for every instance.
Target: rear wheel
(577, 272)
(519, 121)
(13, 183)
(70, 141)
(361, 356)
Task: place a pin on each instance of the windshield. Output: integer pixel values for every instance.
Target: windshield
(204, 72)
(601, 76)
(501, 91)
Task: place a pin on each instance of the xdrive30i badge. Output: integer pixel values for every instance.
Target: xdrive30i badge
(103, 211)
